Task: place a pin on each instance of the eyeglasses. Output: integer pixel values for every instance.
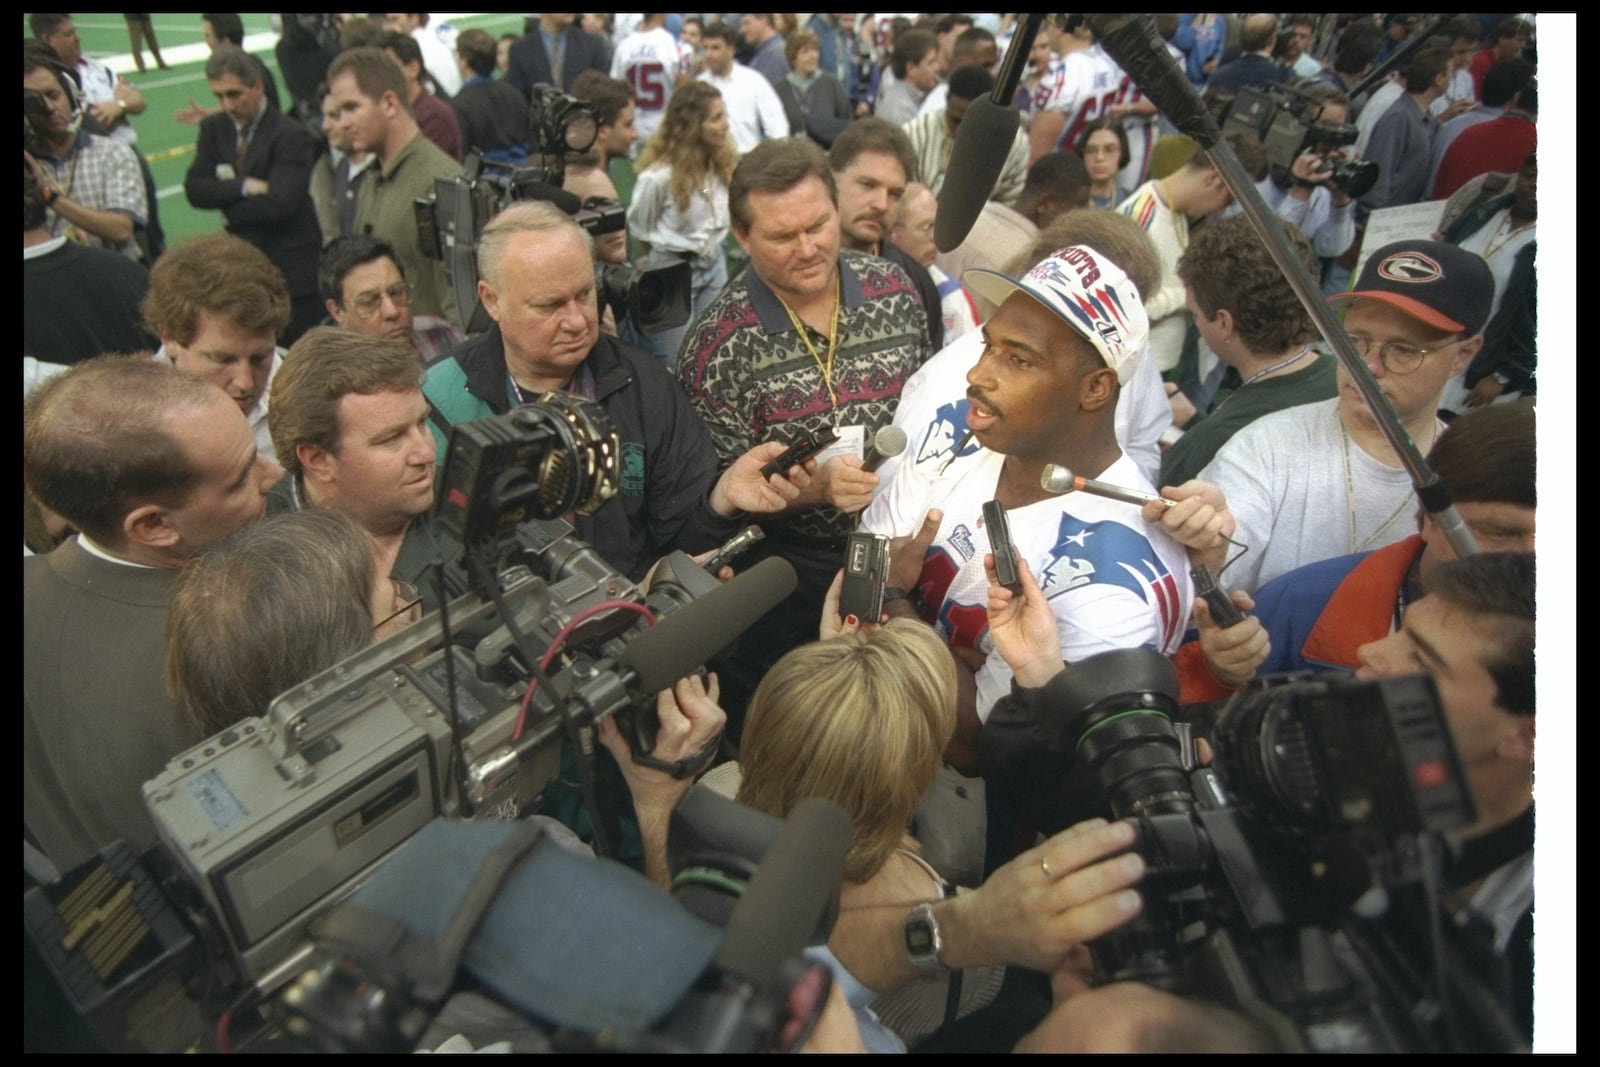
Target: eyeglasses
(1398, 357)
(406, 609)
(369, 304)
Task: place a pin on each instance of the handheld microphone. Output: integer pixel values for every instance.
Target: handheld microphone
(982, 144)
(886, 443)
(1059, 479)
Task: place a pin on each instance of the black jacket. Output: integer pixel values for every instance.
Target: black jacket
(580, 51)
(667, 464)
(283, 223)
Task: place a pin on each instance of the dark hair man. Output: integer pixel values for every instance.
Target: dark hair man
(367, 96)
(554, 53)
(435, 118)
(253, 164)
(350, 426)
(1474, 633)
(107, 96)
(152, 467)
(226, 28)
(824, 339)
(1402, 140)
(755, 111)
(537, 282)
(92, 185)
(613, 99)
(872, 162)
(364, 291)
(81, 301)
(493, 116)
(933, 134)
(218, 305)
(915, 64)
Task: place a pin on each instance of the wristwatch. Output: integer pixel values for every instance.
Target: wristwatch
(923, 943)
(1501, 378)
(894, 592)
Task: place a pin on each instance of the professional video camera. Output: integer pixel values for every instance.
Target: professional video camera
(450, 220)
(267, 825)
(1288, 122)
(1286, 878)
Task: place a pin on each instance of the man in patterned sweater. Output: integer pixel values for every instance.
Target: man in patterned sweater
(808, 338)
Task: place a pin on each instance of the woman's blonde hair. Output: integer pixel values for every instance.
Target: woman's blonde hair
(678, 144)
(861, 720)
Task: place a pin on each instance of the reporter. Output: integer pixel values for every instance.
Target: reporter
(862, 719)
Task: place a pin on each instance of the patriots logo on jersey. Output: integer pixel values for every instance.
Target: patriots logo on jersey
(1115, 554)
(948, 426)
(961, 541)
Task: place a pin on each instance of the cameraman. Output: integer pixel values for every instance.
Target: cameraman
(1318, 206)
(538, 285)
(1474, 633)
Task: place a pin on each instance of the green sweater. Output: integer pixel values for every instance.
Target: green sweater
(1238, 409)
(385, 209)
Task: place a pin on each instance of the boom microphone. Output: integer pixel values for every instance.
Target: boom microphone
(886, 444)
(982, 144)
(680, 642)
(1059, 479)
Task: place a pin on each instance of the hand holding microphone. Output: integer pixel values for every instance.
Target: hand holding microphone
(885, 444)
(1059, 479)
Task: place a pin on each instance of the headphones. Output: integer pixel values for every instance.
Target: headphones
(43, 55)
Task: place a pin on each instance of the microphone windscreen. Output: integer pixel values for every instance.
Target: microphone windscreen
(799, 876)
(679, 643)
(1057, 479)
(979, 154)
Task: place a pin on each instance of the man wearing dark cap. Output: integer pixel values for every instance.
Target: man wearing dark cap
(1322, 480)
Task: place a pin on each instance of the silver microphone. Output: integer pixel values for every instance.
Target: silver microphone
(889, 441)
(1059, 479)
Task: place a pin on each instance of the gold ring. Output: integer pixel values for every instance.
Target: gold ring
(1044, 865)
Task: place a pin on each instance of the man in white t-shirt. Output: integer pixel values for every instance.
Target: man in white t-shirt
(755, 112)
(1064, 341)
(1322, 480)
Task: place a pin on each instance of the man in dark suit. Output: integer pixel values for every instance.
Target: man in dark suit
(253, 163)
(578, 51)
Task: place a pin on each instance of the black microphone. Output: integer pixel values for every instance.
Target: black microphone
(887, 442)
(775, 918)
(982, 144)
(680, 642)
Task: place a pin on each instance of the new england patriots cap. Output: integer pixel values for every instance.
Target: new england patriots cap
(1439, 284)
(1091, 293)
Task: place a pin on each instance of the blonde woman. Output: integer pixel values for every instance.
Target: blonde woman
(680, 201)
(862, 719)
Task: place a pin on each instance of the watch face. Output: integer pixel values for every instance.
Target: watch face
(919, 939)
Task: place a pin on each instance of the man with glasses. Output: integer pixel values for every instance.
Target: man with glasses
(1322, 480)
(365, 291)
(350, 425)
